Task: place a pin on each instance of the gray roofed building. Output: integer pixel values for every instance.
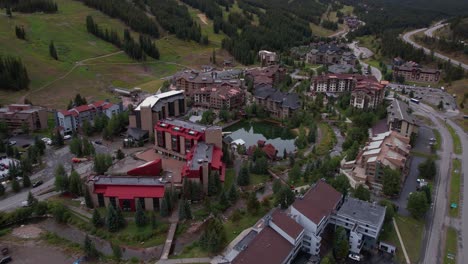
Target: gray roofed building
(341, 68)
(400, 119)
(277, 103)
(202, 153)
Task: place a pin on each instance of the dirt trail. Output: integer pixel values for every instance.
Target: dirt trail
(203, 18)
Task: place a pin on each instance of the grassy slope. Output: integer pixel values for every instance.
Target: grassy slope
(323, 32)
(450, 245)
(67, 29)
(411, 231)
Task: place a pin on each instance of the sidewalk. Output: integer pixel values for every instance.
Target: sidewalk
(401, 241)
(187, 260)
(174, 218)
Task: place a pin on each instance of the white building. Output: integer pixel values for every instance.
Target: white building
(70, 120)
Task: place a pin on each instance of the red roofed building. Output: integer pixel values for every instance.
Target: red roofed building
(152, 168)
(227, 95)
(368, 94)
(199, 146)
(269, 150)
(71, 120)
(126, 191)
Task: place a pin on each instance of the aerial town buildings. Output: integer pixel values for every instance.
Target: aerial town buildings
(218, 96)
(272, 75)
(281, 235)
(20, 116)
(413, 72)
(192, 81)
(144, 117)
(69, 121)
(386, 149)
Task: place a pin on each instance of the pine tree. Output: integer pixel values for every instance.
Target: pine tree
(187, 209)
(61, 179)
(117, 252)
(97, 219)
(243, 179)
(112, 223)
(223, 199)
(8, 12)
(75, 184)
(120, 155)
(2, 190)
(213, 57)
(88, 199)
(53, 51)
(26, 181)
(164, 208)
(120, 218)
(182, 212)
(153, 220)
(90, 248)
(233, 195)
(140, 217)
(32, 201)
(15, 186)
(252, 204)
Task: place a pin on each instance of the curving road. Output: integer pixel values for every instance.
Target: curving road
(407, 38)
(366, 53)
(431, 30)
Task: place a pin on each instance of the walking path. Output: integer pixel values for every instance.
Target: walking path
(170, 235)
(186, 260)
(401, 242)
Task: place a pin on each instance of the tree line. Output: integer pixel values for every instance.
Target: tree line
(131, 15)
(13, 74)
(30, 6)
(135, 50)
(176, 19)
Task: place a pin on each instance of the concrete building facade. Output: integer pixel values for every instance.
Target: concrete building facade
(399, 119)
(19, 116)
(157, 107)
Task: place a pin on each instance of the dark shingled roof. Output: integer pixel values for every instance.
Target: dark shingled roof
(290, 100)
(286, 223)
(320, 201)
(268, 247)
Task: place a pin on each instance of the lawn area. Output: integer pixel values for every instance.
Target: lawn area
(258, 178)
(450, 246)
(233, 229)
(327, 139)
(320, 31)
(191, 251)
(455, 182)
(411, 231)
(91, 78)
(457, 147)
(389, 235)
(369, 42)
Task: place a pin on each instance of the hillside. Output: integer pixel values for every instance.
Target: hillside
(86, 64)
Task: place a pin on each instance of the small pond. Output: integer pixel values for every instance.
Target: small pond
(250, 131)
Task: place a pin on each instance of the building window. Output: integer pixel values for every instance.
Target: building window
(113, 201)
(100, 198)
(161, 141)
(142, 203)
(175, 143)
(188, 144)
(126, 205)
(156, 204)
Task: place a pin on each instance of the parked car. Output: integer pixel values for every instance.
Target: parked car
(37, 183)
(98, 142)
(24, 204)
(67, 137)
(47, 140)
(6, 259)
(12, 142)
(355, 257)
(79, 160)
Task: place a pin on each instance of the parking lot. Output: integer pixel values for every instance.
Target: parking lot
(429, 95)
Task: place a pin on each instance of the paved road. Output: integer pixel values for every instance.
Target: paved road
(366, 53)
(407, 38)
(436, 218)
(51, 159)
(463, 253)
(431, 30)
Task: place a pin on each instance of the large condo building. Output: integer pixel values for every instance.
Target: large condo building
(19, 116)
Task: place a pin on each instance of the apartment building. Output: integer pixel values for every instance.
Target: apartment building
(199, 146)
(71, 120)
(218, 96)
(17, 116)
(335, 83)
(278, 104)
(156, 107)
(190, 81)
(267, 58)
(281, 235)
(417, 74)
(367, 94)
(400, 119)
(386, 149)
(271, 75)
(330, 53)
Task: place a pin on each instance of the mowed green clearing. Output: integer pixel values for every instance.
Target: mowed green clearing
(54, 83)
